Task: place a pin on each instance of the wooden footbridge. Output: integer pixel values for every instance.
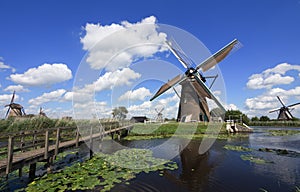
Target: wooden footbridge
(26, 148)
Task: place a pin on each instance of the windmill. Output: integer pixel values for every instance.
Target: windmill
(284, 111)
(42, 113)
(193, 104)
(14, 109)
(159, 116)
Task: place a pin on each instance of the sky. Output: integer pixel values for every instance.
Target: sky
(61, 55)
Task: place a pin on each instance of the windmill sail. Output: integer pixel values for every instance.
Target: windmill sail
(179, 54)
(218, 56)
(168, 85)
(294, 104)
(207, 92)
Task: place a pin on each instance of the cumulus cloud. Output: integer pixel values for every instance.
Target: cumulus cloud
(17, 88)
(231, 107)
(129, 42)
(108, 81)
(105, 82)
(136, 95)
(5, 98)
(48, 97)
(46, 74)
(5, 66)
(147, 108)
(272, 77)
(262, 104)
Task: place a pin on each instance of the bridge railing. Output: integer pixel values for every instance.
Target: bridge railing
(12, 144)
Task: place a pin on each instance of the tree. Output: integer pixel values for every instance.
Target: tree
(119, 113)
(236, 114)
(255, 119)
(264, 118)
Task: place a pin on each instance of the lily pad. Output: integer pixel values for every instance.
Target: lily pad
(237, 148)
(103, 170)
(255, 159)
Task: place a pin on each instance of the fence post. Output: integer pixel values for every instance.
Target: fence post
(10, 152)
(34, 140)
(57, 141)
(22, 141)
(46, 144)
(32, 169)
(91, 141)
(77, 137)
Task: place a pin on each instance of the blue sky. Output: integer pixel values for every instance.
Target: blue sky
(45, 37)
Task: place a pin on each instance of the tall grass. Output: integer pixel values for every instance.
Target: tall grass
(275, 123)
(23, 124)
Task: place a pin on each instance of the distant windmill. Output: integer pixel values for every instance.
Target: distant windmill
(14, 109)
(193, 105)
(159, 116)
(284, 111)
(42, 113)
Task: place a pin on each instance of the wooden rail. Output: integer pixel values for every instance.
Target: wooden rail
(27, 148)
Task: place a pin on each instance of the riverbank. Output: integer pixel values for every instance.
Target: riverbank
(275, 123)
(199, 130)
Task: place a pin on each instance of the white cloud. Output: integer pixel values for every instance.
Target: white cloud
(115, 79)
(147, 108)
(68, 96)
(5, 66)
(17, 88)
(283, 68)
(262, 104)
(129, 42)
(48, 97)
(92, 108)
(272, 77)
(107, 81)
(231, 107)
(46, 74)
(6, 98)
(136, 95)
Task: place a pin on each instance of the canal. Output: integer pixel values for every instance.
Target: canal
(266, 160)
(220, 169)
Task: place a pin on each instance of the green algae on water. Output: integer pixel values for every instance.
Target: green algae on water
(256, 160)
(103, 171)
(237, 148)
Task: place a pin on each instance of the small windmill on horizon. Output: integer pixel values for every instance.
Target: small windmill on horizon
(159, 115)
(193, 104)
(284, 112)
(14, 109)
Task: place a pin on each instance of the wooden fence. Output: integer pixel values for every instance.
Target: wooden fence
(29, 147)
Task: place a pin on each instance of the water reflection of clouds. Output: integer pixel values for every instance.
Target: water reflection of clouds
(285, 169)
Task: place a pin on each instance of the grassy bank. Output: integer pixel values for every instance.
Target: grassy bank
(194, 130)
(275, 123)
